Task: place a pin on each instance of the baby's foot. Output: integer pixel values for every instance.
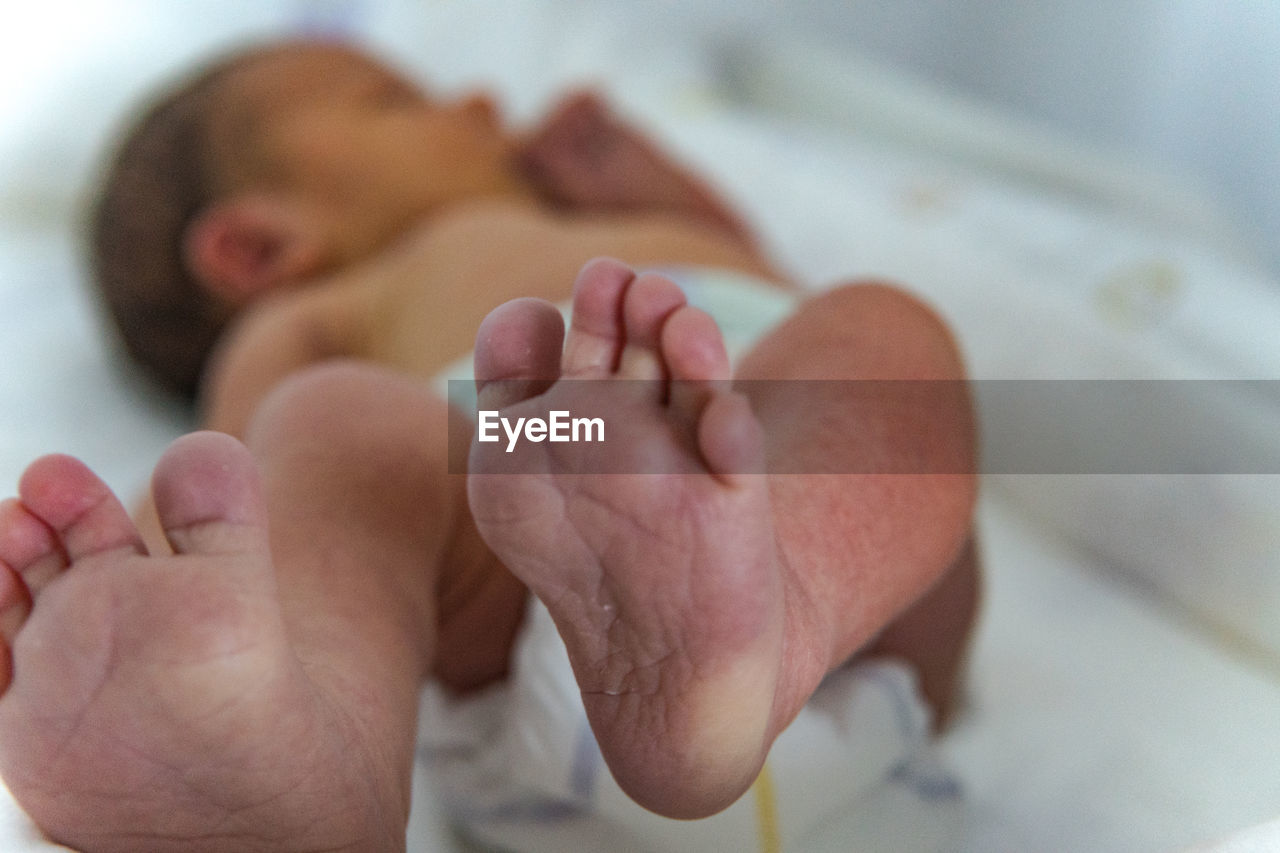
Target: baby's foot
(155, 703)
(664, 579)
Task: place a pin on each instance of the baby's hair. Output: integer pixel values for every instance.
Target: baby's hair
(161, 177)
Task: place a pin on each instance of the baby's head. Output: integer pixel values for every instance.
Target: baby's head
(266, 170)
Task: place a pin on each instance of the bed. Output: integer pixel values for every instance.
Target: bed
(1126, 677)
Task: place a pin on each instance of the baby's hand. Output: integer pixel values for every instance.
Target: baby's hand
(585, 159)
(578, 156)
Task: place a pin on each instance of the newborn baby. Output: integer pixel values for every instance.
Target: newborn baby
(301, 238)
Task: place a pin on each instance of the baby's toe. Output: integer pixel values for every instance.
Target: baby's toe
(693, 348)
(15, 607)
(82, 515)
(28, 548)
(650, 301)
(596, 333)
(517, 352)
(208, 497)
(730, 438)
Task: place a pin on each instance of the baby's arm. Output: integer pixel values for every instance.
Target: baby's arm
(586, 160)
(257, 354)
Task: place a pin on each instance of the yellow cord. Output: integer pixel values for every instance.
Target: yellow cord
(766, 812)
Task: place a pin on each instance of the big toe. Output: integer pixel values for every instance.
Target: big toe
(517, 352)
(208, 496)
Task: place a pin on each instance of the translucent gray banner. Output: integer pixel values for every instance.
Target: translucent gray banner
(882, 427)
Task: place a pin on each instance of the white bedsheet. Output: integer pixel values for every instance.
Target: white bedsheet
(1127, 676)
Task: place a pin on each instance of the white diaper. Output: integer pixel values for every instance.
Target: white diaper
(517, 768)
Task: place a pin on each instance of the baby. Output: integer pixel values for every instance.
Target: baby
(302, 238)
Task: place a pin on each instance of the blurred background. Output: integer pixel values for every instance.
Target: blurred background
(1189, 86)
(1187, 89)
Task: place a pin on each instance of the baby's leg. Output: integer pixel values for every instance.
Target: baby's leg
(700, 605)
(888, 556)
(257, 689)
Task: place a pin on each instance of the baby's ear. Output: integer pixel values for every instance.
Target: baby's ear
(248, 245)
